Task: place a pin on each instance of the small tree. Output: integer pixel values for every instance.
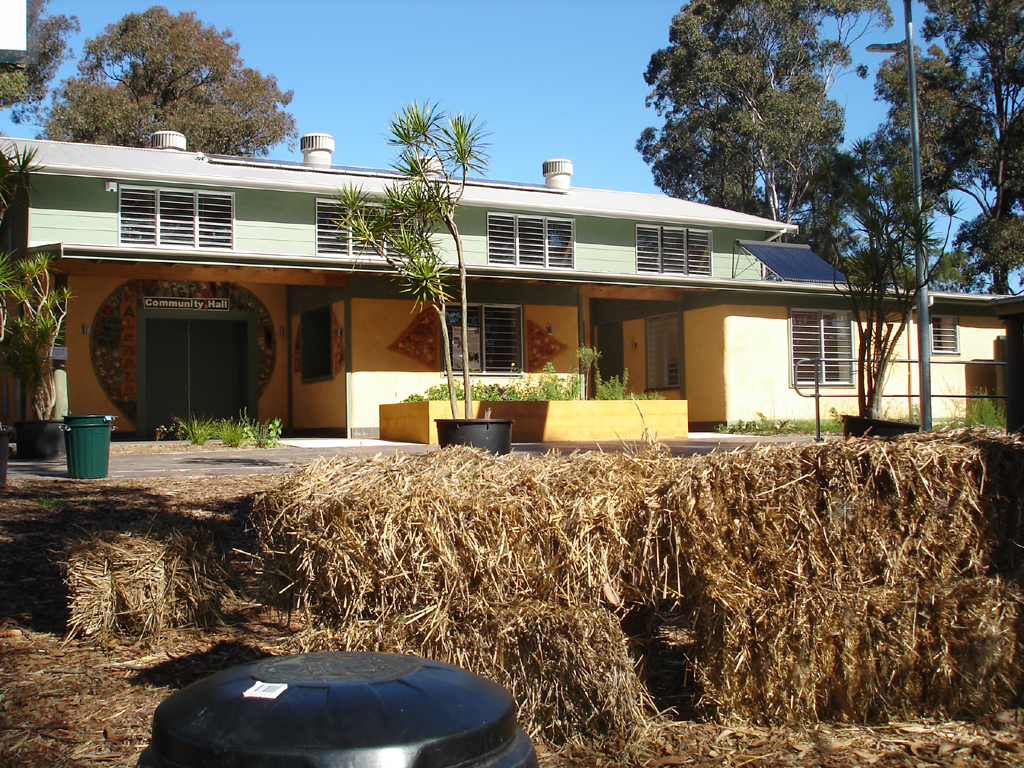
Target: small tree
(436, 153)
(878, 228)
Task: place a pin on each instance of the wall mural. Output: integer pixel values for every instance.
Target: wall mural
(113, 340)
(420, 340)
(541, 346)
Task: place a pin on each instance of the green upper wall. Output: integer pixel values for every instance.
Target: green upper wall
(78, 210)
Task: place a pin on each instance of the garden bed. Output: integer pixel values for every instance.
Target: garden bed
(546, 420)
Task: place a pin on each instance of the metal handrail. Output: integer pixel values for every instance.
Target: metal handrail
(817, 395)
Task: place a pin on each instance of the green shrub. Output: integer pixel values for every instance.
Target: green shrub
(267, 433)
(197, 430)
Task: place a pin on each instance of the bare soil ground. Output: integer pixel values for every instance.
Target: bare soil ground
(89, 701)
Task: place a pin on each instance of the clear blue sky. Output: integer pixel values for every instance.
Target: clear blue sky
(551, 78)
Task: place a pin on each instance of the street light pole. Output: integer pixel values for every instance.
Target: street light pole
(924, 325)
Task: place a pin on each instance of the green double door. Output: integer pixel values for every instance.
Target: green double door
(195, 367)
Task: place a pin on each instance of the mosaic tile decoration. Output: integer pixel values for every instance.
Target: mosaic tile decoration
(113, 341)
(541, 346)
(420, 339)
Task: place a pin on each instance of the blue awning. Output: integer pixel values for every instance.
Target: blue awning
(792, 261)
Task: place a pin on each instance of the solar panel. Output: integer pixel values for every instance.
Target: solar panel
(792, 261)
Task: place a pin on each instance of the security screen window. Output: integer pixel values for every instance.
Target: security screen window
(945, 335)
(821, 334)
(495, 343)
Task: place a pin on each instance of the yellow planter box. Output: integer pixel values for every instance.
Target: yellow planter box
(545, 421)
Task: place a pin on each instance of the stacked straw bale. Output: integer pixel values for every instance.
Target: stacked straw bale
(139, 584)
(859, 580)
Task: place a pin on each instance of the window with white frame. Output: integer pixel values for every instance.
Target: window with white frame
(176, 218)
(530, 241)
(495, 343)
(823, 334)
(662, 342)
(673, 249)
(945, 335)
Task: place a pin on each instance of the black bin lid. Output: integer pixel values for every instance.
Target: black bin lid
(328, 710)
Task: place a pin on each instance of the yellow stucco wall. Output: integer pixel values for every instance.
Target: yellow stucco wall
(318, 404)
(704, 361)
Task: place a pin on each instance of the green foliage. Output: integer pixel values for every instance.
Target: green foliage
(587, 357)
(971, 125)
(264, 434)
(436, 152)
(615, 388)
(197, 430)
(23, 88)
(977, 411)
(234, 433)
(36, 320)
(743, 89)
(155, 71)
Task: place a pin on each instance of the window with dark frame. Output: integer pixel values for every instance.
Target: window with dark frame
(674, 250)
(825, 334)
(495, 343)
(530, 241)
(662, 345)
(175, 218)
(315, 347)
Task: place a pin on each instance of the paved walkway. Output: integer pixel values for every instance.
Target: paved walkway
(296, 452)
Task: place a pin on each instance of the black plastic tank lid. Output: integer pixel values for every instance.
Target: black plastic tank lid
(328, 710)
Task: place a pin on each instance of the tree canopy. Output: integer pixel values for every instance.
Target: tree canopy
(155, 71)
(24, 87)
(971, 95)
(743, 88)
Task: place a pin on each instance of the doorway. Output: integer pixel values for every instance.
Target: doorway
(195, 366)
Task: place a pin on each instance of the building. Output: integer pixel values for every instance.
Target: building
(207, 284)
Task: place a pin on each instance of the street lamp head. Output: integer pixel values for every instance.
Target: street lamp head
(899, 47)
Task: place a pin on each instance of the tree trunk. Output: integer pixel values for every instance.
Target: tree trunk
(447, 347)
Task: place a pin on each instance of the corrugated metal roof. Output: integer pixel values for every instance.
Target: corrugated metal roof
(171, 166)
(792, 261)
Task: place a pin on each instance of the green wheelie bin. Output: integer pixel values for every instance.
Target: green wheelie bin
(87, 443)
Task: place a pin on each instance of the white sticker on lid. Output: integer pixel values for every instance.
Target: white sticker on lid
(261, 690)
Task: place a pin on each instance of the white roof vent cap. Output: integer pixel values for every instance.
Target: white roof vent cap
(557, 173)
(168, 140)
(317, 148)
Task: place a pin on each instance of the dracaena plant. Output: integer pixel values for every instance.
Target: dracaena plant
(405, 223)
(36, 312)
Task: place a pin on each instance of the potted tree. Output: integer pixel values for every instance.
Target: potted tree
(877, 228)
(436, 153)
(34, 323)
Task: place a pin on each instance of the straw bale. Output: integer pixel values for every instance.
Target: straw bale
(139, 584)
(858, 579)
(569, 669)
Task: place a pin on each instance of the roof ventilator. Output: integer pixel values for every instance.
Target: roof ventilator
(317, 149)
(168, 140)
(557, 173)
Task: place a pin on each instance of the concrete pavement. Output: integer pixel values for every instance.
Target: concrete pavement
(290, 454)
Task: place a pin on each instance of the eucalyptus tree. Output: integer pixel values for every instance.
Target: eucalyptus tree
(156, 71)
(971, 96)
(437, 151)
(743, 87)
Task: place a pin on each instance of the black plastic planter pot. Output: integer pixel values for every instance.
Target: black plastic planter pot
(39, 439)
(862, 426)
(339, 709)
(5, 449)
(494, 435)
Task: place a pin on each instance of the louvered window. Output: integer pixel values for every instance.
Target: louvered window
(330, 238)
(826, 335)
(945, 339)
(674, 250)
(495, 343)
(530, 241)
(176, 218)
(662, 342)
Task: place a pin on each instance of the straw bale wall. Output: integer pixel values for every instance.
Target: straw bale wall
(857, 580)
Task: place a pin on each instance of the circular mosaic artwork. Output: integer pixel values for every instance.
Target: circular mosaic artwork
(113, 340)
